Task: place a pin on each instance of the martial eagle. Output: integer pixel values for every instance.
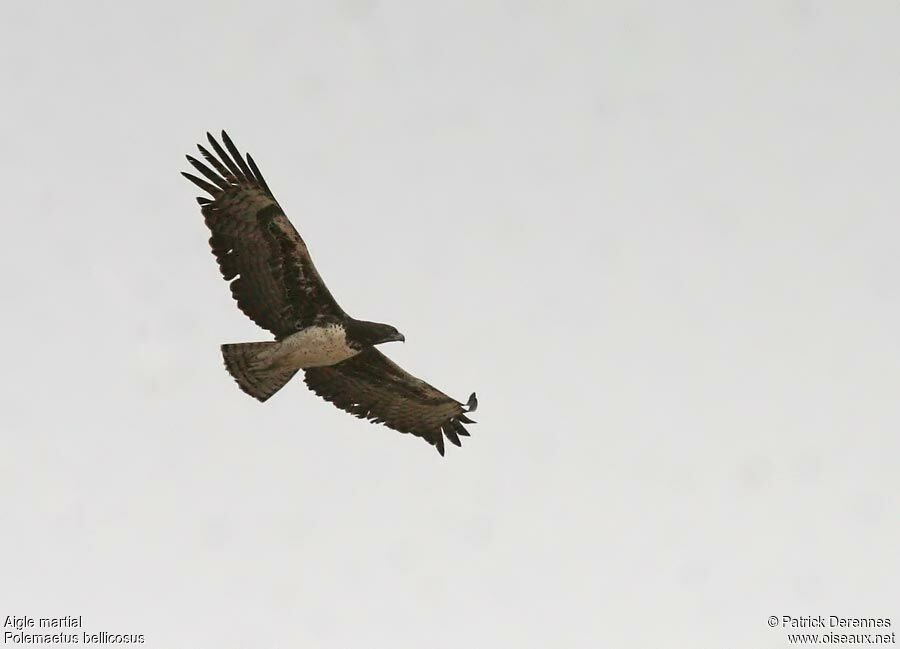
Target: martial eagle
(275, 283)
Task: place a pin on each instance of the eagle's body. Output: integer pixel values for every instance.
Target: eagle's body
(276, 284)
(314, 346)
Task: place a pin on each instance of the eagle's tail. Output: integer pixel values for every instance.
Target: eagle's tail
(255, 378)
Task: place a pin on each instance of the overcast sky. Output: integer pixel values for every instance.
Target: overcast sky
(660, 240)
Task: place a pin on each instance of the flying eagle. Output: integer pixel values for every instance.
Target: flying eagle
(276, 285)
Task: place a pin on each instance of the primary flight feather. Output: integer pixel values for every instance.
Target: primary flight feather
(275, 283)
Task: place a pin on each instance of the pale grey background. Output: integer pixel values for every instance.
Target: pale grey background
(659, 239)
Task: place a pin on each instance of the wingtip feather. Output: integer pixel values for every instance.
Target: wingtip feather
(202, 184)
(450, 432)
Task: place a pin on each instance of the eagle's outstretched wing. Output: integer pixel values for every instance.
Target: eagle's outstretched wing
(372, 386)
(274, 280)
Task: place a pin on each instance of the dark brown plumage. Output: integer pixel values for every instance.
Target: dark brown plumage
(272, 275)
(370, 385)
(276, 284)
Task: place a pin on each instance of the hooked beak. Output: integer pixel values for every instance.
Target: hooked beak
(398, 337)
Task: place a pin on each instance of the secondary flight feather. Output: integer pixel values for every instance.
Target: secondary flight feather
(275, 283)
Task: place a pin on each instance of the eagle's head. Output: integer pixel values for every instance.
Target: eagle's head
(372, 333)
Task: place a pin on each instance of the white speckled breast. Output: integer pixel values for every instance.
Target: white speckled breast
(313, 347)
